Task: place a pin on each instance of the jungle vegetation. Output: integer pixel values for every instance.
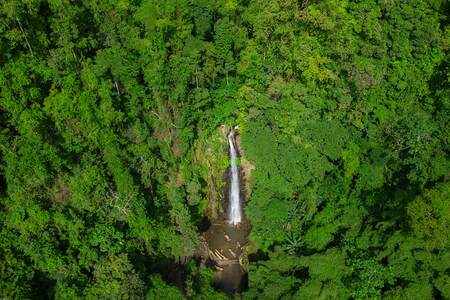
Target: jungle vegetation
(109, 146)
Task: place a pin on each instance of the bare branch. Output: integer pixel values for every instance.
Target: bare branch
(25, 36)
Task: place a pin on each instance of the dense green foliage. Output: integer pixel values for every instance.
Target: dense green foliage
(109, 147)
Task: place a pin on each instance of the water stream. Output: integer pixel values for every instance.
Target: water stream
(235, 210)
(227, 235)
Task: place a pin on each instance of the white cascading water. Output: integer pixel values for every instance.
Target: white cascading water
(234, 211)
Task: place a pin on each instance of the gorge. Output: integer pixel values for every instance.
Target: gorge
(227, 235)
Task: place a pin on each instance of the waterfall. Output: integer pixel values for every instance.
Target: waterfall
(234, 211)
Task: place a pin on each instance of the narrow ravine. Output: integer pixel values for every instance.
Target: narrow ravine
(227, 235)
